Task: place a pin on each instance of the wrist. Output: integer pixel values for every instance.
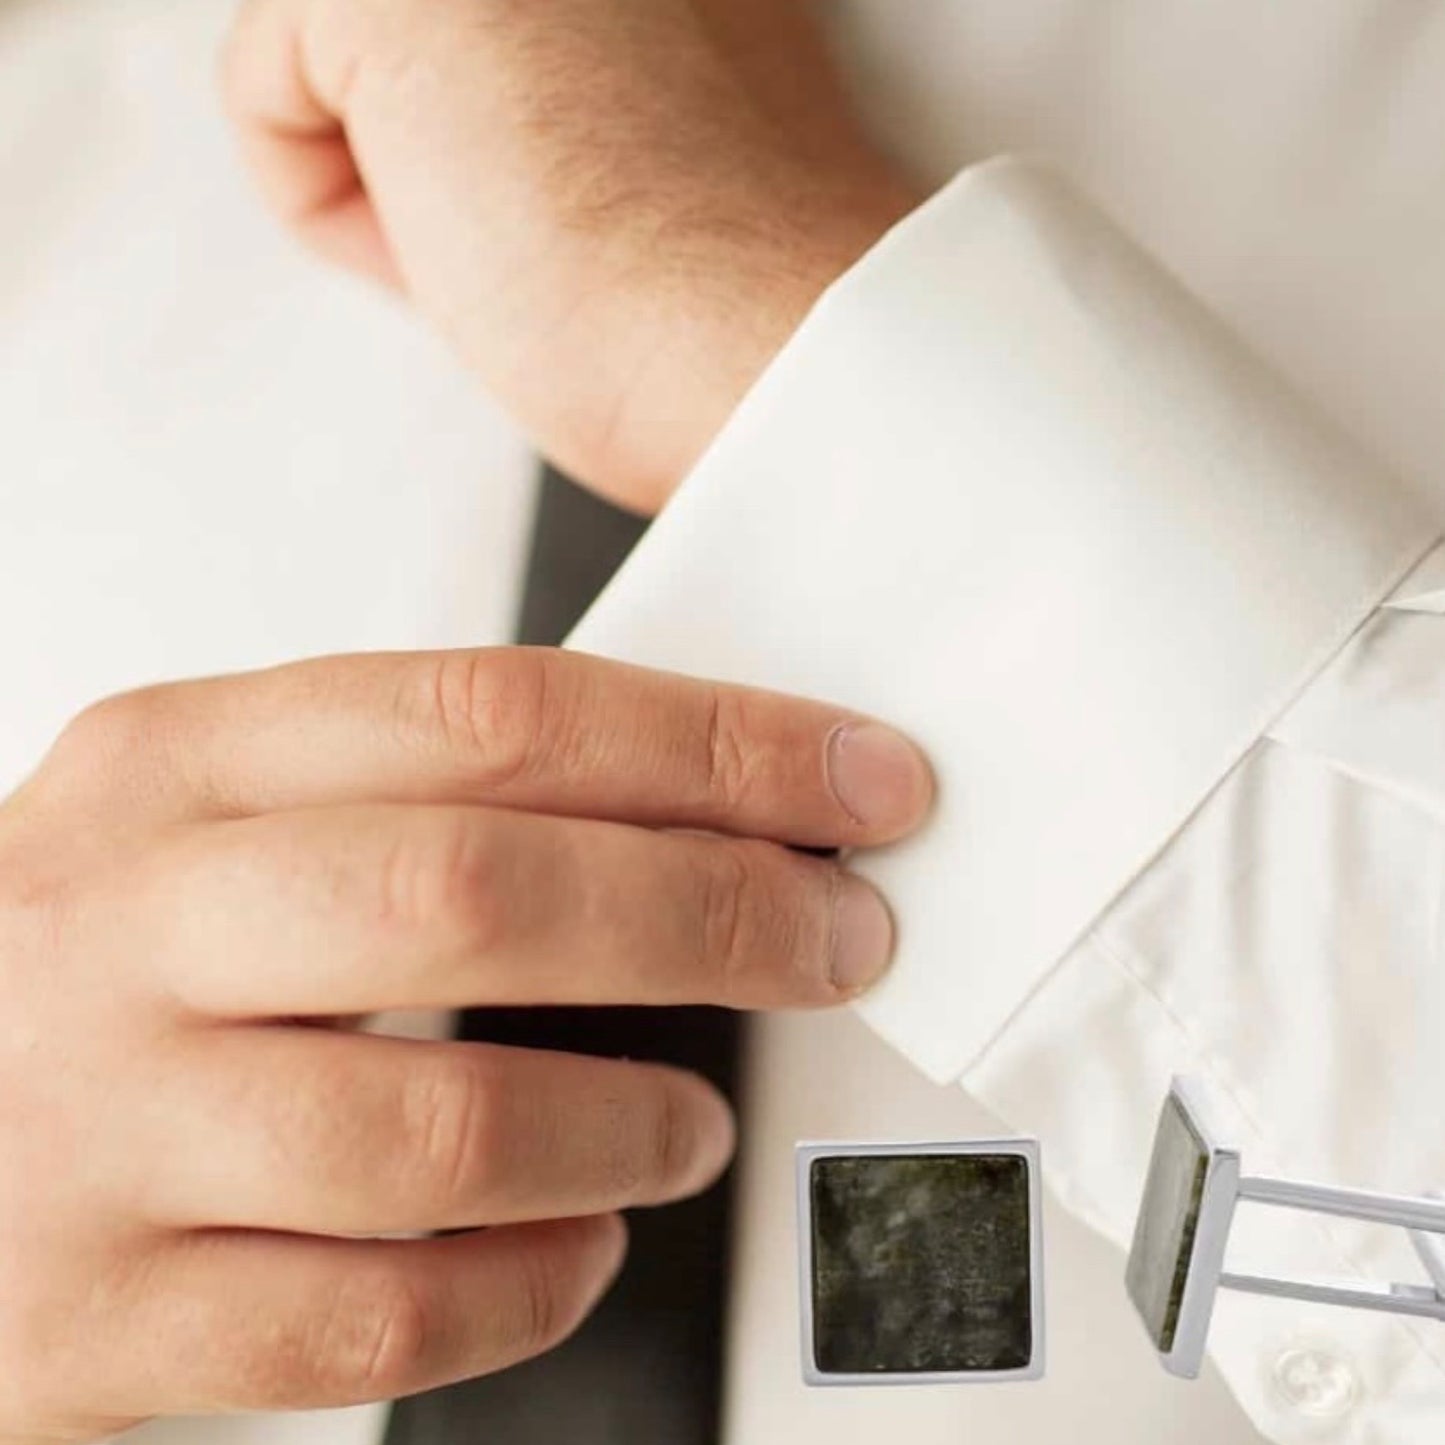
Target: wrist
(713, 314)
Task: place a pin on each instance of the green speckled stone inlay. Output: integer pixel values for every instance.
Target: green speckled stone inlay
(1168, 1219)
(921, 1263)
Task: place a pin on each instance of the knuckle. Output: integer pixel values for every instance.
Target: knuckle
(487, 706)
(724, 925)
(759, 921)
(648, 1146)
(750, 921)
(730, 764)
(444, 872)
(112, 728)
(452, 1113)
(546, 1312)
(798, 914)
(373, 1341)
(671, 1141)
(38, 907)
(33, 913)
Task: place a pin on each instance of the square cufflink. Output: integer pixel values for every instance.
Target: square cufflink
(921, 1264)
(1176, 1261)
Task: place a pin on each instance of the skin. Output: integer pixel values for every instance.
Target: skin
(202, 876)
(617, 210)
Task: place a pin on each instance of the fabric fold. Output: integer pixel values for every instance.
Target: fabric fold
(1013, 488)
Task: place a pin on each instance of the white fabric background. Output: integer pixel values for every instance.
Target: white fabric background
(212, 455)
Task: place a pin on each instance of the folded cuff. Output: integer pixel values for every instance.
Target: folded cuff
(1013, 488)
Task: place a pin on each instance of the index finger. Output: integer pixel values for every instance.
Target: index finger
(530, 728)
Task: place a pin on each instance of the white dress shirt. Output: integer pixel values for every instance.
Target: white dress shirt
(191, 416)
(1172, 642)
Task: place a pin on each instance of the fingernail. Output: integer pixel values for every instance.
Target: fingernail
(862, 935)
(879, 777)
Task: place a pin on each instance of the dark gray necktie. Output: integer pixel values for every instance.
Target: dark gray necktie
(645, 1369)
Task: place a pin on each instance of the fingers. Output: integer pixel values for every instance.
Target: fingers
(350, 910)
(306, 1131)
(527, 728)
(244, 1321)
(294, 142)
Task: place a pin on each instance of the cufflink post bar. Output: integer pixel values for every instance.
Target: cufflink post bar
(1423, 1219)
(1176, 1262)
(1430, 1247)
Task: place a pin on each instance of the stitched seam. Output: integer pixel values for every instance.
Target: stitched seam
(1360, 612)
(1375, 782)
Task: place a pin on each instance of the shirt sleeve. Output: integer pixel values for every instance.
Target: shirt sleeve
(1285, 947)
(1013, 488)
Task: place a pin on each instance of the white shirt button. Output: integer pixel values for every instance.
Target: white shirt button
(1316, 1382)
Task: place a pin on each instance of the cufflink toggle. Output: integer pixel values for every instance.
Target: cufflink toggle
(1176, 1262)
(921, 1263)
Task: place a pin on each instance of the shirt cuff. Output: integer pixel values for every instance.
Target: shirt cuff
(1285, 950)
(1011, 487)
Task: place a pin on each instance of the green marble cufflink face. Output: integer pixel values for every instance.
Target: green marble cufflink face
(1176, 1260)
(920, 1262)
(1167, 1223)
(1193, 1186)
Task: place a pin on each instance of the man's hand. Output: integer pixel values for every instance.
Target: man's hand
(617, 210)
(201, 874)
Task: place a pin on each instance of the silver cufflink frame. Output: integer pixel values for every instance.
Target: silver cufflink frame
(1177, 1260)
(857, 1271)
(813, 1161)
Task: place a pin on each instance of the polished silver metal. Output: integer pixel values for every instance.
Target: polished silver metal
(1405, 1210)
(1395, 1299)
(806, 1153)
(1431, 1249)
(1225, 1188)
(1216, 1214)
